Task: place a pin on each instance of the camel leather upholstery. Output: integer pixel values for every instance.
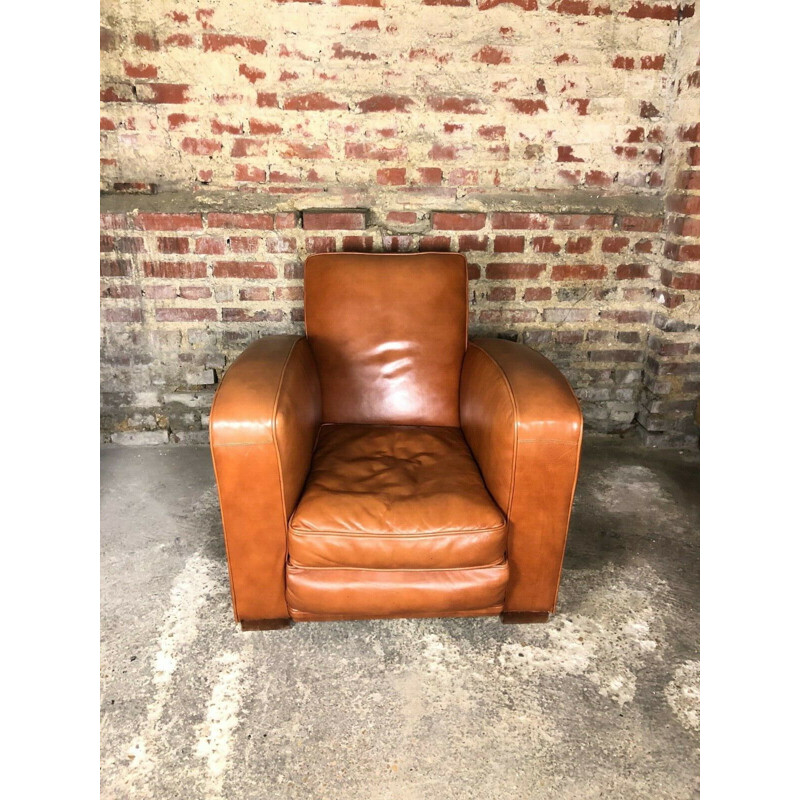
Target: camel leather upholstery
(384, 465)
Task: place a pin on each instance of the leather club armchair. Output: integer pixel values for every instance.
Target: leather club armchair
(383, 465)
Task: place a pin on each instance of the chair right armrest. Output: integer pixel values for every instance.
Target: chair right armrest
(524, 426)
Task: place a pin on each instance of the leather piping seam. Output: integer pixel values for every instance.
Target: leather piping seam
(356, 617)
(551, 441)
(394, 534)
(514, 406)
(496, 565)
(569, 511)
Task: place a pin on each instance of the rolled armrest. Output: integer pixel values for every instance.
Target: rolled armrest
(263, 425)
(524, 426)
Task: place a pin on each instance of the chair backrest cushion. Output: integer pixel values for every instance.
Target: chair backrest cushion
(388, 332)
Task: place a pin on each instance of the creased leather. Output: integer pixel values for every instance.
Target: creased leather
(388, 332)
(263, 425)
(380, 592)
(523, 423)
(395, 497)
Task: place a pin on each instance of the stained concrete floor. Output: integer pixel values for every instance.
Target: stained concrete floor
(602, 702)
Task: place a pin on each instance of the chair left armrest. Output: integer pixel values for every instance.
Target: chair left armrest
(524, 426)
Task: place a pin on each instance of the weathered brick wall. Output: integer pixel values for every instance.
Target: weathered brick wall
(553, 142)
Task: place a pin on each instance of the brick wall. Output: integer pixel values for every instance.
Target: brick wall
(555, 143)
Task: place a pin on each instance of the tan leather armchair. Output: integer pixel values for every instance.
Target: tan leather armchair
(383, 466)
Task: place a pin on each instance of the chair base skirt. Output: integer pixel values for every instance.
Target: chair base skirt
(524, 617)
(265, 624)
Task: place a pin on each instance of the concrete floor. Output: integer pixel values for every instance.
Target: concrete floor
(602, 702)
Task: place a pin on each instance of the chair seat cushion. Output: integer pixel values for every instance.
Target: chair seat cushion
(395, 497)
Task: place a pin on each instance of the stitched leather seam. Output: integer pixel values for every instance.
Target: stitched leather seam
(497, 565)
(394, 535)
(573, 442)
(496, 608)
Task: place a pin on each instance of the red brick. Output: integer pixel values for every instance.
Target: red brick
(435, 243)
(334, 220)
(627, 317)
(169, 222)
(502, 293)
(244, 269)
(689, 281)
(280, 244)
(641, 224)
(515, 220)
(509, 244)
(614, 244)
(289, 293)
(342, 52)
(320, 244)
(242, 148)
(385, 103)
(458, 221)
(682, 252)
(260, 293)
(315, 101)
(122, 314)
(261, 222)
(251, 73)
(115, 268)
(599, 179)
(430, 176)
(575, 7)
(583, 244)
(545, 244)
(528, 106)
(516, 271)
(107, 124)
(652, 62)
(491, 55)
(367, 150)
(194, 292)
(591, 222)
(684, 226)
(164, 93)
(243, 244)
(456, 105)
(173, 245)
(246, 315)
(663, 11)
(113, 221)
(200, 147)
(140, 70)
(525, 5)
(393, 176)
(185, 314)
(179, 40)
(175, 269)
(565, 154)
(249, 174)
(471, 242)
(684, 203)
(627, 272)
(217, 42)
(357, 244)
(583, 272)
(537, 294)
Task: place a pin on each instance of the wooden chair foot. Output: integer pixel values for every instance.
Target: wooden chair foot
(265, 624)
(523, 617)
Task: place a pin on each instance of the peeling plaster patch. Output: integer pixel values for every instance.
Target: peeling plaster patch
(683, 694)
(214, 736)
(190, 590)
